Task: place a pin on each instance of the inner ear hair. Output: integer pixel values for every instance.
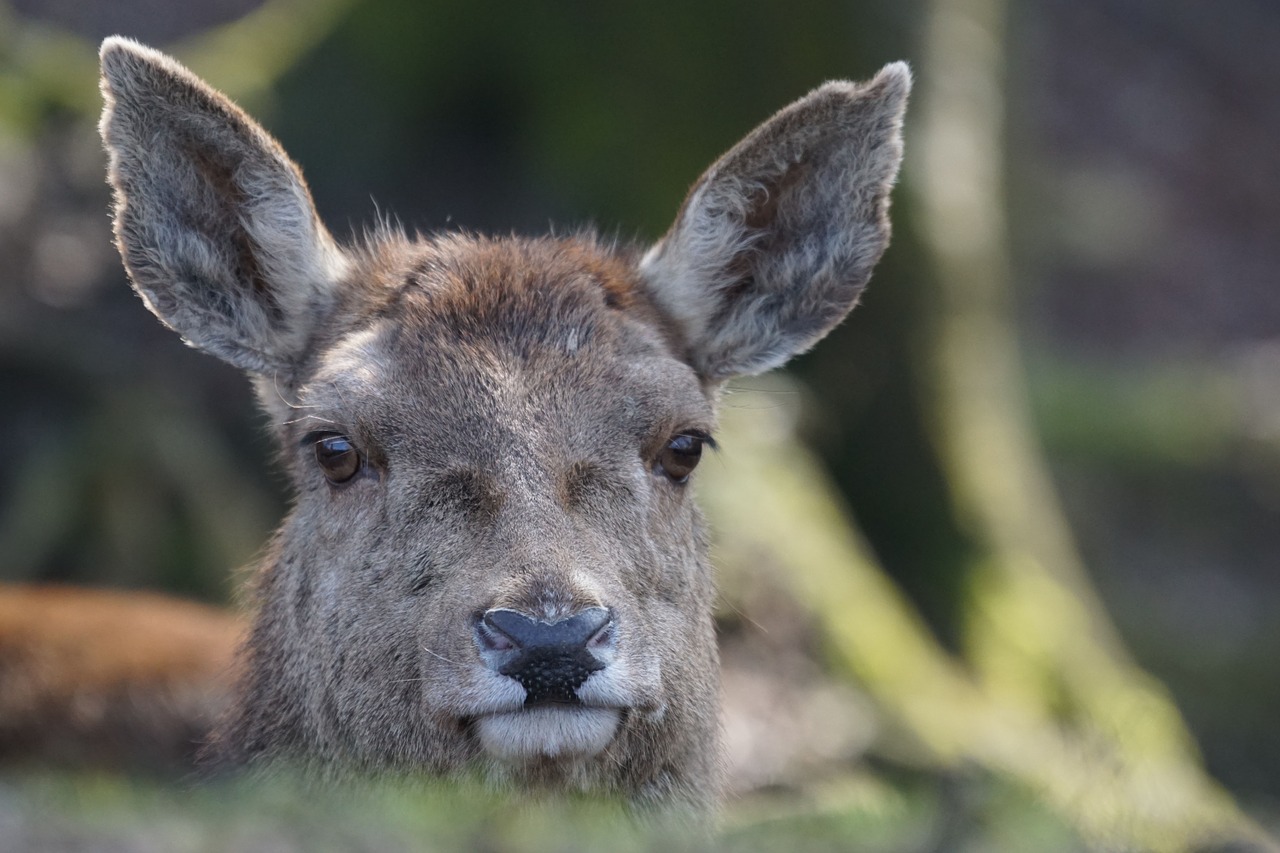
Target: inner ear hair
(776, 241)
(214, 222)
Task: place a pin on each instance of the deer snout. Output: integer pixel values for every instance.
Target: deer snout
(551, 660)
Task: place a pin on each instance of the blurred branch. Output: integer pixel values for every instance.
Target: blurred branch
(247, 56)
(1038, 635)
(41, 65)
(1184, 415)
(772, 499)
(978, 387)
(1119, 783)
(1187, 415)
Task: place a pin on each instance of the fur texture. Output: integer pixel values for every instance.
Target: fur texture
(775, 243)
(214, 223)
(517, 408)
(110, 679)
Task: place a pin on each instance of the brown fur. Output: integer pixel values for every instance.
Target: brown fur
(110, 678)
(512, 401)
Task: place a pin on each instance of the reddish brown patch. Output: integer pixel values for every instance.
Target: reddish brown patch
(110, 677)
(530, 286)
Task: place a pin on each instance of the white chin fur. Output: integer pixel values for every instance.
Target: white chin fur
(549, 732)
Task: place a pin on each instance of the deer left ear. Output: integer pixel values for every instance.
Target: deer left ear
(778, 238)
(214, 222)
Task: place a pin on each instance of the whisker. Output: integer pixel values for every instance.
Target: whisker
(738, 611)
(320, 418)
(275, 386)
(442, 657)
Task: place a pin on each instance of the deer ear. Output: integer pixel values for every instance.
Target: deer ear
(776, 241)
(214, 222)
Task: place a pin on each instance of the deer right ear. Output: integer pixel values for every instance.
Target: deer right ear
(214, 222)
(777, 240)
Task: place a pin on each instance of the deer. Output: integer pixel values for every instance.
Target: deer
(494, 563)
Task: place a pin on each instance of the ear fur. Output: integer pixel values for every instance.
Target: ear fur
(214, 222)
(778, 238)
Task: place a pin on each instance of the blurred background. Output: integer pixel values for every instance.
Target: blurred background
(1031, 488)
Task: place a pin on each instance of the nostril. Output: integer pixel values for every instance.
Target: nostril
(491, 638)
(604, 638)
(549, 659)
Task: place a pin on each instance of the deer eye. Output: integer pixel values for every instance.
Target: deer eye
(678, 459)
(337, 457)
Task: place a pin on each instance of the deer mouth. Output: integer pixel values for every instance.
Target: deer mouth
(547, 731)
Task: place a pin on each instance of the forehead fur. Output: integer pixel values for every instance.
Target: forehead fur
(472, 326)
(521, 294)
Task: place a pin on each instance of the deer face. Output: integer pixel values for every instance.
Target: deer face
(494, 560)
(494, 535)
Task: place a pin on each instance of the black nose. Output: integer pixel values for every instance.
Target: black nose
(549, 659)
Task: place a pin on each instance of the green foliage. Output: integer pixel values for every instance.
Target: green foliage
(1150, 418)
(42, 811)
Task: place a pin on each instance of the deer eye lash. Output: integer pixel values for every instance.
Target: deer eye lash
(703, 436)
(312, 438)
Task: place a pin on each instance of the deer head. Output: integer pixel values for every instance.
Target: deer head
(494, 560)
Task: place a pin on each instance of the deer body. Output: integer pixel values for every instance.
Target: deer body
(110, 678)
(494, 561)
